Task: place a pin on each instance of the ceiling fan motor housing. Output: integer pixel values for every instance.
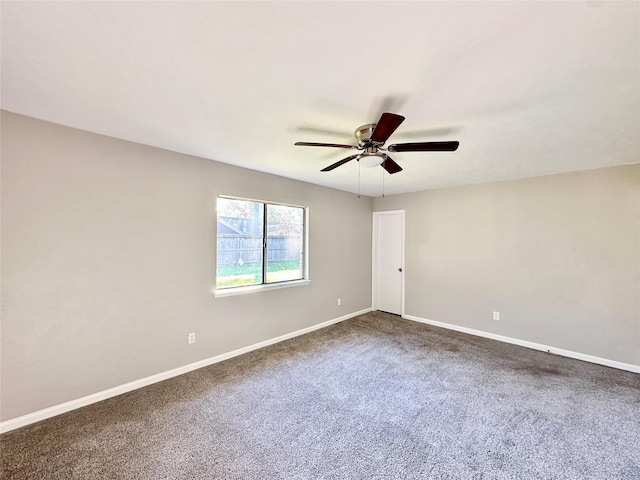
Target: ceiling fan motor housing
(363, 135)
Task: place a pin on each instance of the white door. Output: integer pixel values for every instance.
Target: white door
(388, 261)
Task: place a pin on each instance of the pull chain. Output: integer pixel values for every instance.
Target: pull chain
(383, 182)
(358, 178)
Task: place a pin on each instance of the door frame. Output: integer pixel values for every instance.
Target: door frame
(374, 256)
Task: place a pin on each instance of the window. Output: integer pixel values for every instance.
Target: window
(259, 243)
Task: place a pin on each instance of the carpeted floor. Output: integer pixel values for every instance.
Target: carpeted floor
(373, 397)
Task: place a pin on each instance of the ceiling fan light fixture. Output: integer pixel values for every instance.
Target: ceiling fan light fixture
(371, 160)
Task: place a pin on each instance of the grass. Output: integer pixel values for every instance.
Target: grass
(251, 273)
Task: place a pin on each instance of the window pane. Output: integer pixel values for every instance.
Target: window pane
(285, 239)
(240, 237)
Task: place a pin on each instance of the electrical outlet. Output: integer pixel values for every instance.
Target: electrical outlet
(339, 301)
(191, 338)
(496, 315)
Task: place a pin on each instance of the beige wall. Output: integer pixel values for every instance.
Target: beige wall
(557, 256)
(108, 252)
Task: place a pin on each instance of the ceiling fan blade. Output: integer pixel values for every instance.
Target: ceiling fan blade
(341, 162)
(390, 166)
(424, 147)
(386, 126)
(314, 144)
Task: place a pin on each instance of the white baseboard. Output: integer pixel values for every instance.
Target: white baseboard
(535, 346)
(49, 412)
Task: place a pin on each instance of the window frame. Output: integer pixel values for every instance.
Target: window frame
(244, 289)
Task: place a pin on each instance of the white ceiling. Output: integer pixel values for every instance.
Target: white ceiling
(528, 88)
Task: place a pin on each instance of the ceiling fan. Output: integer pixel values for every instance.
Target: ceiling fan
(371, 138)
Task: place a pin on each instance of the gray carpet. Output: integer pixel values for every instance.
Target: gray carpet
(373, 397)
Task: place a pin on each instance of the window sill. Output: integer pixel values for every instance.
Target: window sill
(228, 292)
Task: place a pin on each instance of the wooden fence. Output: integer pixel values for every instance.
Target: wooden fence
(233, 247)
